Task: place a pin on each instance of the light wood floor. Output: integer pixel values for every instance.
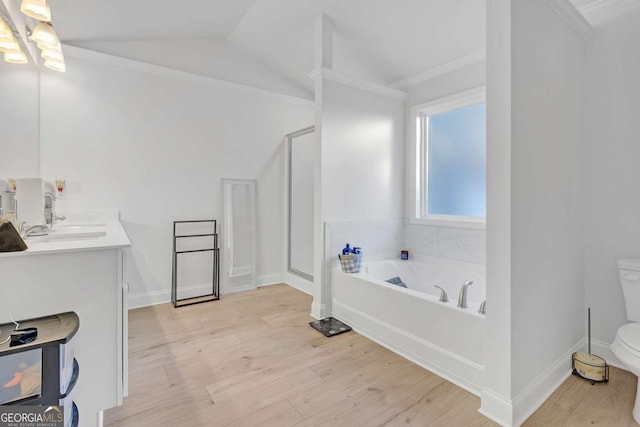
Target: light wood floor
(251, 359)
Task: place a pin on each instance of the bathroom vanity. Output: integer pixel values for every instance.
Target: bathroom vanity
(79, 267)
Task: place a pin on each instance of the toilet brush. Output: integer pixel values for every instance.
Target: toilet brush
(587, 365)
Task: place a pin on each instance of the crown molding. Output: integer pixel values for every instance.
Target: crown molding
(601, 10)
(172, 73)
(446, 68)
(570, 15)
(346, 79)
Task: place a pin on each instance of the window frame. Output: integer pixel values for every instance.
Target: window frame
(419, 158)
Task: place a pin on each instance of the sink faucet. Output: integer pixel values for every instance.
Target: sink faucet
(7, 199)
(39, 229)
(462, 298)
(49, 202)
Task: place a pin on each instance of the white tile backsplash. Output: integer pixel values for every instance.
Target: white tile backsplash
(375, 237)
(387, 237)
(463, 244)
(422, 239)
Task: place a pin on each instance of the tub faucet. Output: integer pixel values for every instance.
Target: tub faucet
(462, 298)
(443, 294)
(483, 308)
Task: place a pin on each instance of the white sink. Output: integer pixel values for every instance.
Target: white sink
(68, 234)
(78, 225)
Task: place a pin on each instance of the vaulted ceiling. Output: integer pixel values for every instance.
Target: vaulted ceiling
(270, 43)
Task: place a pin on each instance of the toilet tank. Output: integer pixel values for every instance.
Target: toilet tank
(630, 280)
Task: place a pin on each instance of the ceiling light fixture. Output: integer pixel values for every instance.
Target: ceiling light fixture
(43, 35)
(48, 42)
(5, 31)
(9, 45)
(52, 54)
(37, 9)
(55, 65)
(16, 57)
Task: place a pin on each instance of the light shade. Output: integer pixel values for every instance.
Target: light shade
(55, 65)
(16, 57)
(37, 9)
(44, 35)
(52, 54)
(5, 31)
(9, 45)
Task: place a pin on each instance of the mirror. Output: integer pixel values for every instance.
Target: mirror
(239, 235)
(301, 190)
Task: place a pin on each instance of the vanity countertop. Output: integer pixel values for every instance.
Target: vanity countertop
(75, 237)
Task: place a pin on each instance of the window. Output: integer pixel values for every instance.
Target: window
(451, 160)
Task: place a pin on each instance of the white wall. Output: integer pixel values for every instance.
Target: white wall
(496, 395)
(535, 259)
(18, 121)
(156, 148)
(547, 264)
(360, 169)
(362, 154)
(612, 131)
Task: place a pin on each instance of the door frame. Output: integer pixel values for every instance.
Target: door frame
(289, 140)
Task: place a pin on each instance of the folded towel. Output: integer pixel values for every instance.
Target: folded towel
(396, 281)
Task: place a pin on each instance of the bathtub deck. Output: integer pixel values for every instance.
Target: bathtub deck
(251, 359)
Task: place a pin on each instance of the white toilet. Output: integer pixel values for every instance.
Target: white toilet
(626, 346)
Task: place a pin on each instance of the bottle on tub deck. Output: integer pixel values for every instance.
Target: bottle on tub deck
(351, 250)
(346, 250)
(404, 255)
(350, 259)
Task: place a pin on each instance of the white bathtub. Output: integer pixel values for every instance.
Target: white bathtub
(412, 322)
(422, 277)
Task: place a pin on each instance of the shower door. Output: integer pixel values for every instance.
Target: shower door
(301, 199)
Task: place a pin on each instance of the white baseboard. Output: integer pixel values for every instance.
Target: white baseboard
(236, 289)
(298, 282)
(145, 299)
(454, 368)
(603, 349)
(269, 279)
(540, 388)
(515, 412)
(496, 407)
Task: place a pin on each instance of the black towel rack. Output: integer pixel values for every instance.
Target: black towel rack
(214, 249)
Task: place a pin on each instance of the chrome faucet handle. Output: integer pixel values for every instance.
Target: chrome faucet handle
(38, 229)
(57, 218)
(443, 294)
(483, 308)
(462, 297)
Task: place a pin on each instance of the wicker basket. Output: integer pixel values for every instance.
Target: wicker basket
(350, 263)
